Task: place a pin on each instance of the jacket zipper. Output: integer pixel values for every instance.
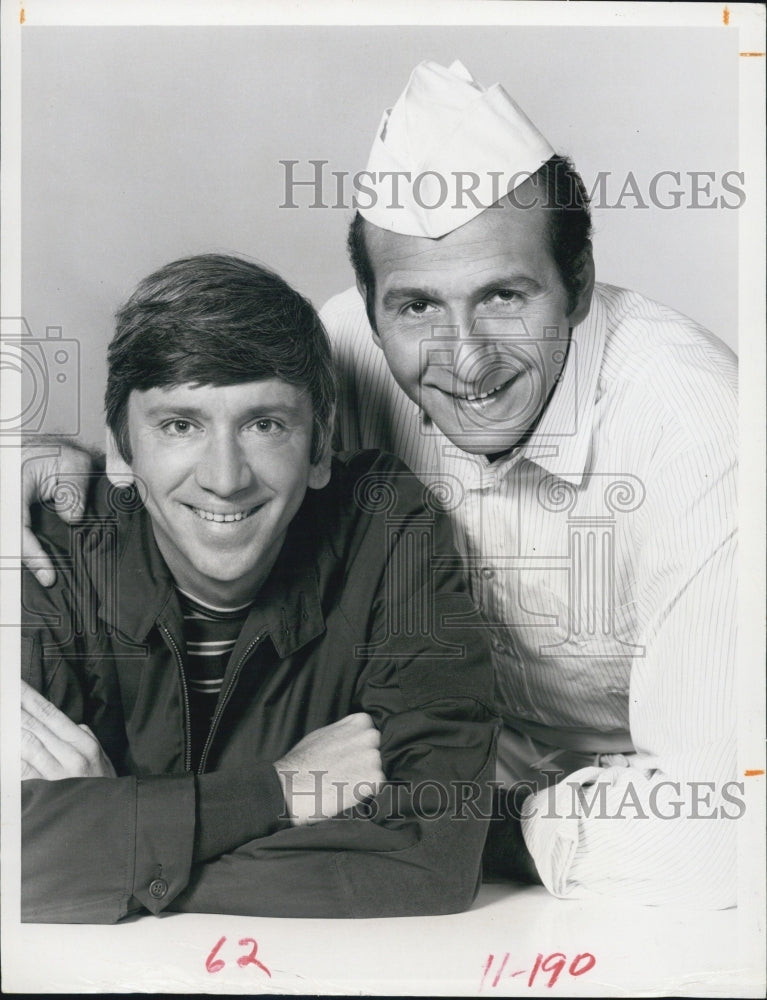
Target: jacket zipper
(224, 701)
(187, 714)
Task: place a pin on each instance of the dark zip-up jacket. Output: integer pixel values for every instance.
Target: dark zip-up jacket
(364, 610)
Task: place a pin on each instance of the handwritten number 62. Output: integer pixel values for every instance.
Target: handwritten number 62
(213, 964)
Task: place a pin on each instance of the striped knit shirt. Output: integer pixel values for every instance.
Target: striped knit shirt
(210, 635)
(602, 555)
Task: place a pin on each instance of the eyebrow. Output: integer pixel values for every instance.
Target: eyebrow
(285, 410)
(403, 293)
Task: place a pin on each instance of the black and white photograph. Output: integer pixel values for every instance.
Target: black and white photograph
(382, 447)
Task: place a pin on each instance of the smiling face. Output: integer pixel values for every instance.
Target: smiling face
(224, 470)
(475, 325)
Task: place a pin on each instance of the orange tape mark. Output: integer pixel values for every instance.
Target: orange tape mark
(751, 53)
(22, 16)
(752, 774)
(725, 17)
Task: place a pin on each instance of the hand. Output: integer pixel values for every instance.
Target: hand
(54, 747)
(57, 480)
(332, 768)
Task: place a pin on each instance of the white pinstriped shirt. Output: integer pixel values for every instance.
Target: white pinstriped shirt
(602, 554)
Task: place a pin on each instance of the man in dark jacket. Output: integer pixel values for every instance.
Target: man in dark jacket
(259, 685)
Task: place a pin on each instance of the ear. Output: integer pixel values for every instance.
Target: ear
(319, 474)
(118, 470)
(583, 302)
(364, 295)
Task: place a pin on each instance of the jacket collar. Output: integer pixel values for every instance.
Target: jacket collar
(142, 590)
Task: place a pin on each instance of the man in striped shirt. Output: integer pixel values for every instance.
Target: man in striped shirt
(587, 439)
(258, 670)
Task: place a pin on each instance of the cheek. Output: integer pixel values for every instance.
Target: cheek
(403, 352)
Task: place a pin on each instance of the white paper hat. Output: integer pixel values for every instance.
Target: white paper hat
(463, 147)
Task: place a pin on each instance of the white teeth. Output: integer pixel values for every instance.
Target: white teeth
(208, 515)
(484, 395)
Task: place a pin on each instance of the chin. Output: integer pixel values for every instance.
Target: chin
(476, 444)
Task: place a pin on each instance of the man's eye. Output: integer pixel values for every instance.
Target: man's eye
(178, 428)
(265, 425)
(506, 295)
(417, 308)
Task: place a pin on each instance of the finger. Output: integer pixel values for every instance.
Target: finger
(78, 756)
(50, 717)
(36, 754)
(35, 558)
(29, 771)
(69, 500)
(358, 721)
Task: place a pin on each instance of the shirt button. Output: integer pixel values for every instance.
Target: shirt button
(157, 888)
(488, 572)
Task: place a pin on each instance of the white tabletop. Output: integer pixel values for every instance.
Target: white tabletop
(613, 949)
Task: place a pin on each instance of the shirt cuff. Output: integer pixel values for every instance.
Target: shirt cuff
(551, 828)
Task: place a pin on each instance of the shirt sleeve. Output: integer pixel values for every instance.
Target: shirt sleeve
(657, 826)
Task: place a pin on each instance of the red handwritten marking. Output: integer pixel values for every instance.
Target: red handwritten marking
(590, 963)
(503, 966)
(218, 964)
(751, 774)
(488, 963)
(251, 959)
(556, 968)
(554, 964)
(535, 968)
(725, 17)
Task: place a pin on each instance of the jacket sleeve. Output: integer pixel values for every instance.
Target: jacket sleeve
(97, 849)
(416, 847)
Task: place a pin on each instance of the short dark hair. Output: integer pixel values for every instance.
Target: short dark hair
(569, 231)
(216, 319)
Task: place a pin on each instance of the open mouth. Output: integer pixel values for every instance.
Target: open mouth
(211, 515)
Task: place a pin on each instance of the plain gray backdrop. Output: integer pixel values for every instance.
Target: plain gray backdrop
(141, 145)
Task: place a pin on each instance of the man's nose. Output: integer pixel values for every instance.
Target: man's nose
(223, 468)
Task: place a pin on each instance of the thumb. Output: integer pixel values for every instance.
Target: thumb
(69, 499)
(36, 559)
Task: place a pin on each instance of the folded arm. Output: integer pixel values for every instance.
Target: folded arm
(657, 827)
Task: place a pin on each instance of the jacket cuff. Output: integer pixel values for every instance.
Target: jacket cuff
(232, 810)
(165, 822)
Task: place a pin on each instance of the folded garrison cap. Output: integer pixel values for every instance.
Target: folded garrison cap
(463, 146)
